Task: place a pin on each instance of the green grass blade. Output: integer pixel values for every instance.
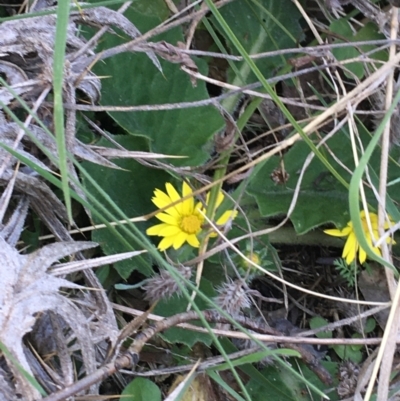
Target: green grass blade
(58, 83)
(224, 385)
(354, 191)
(23, 372)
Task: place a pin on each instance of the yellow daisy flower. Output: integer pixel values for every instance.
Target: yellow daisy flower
(183, 222)
(352, 246)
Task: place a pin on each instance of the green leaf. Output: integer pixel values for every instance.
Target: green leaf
(346, 352)
(316, 322)
(356, 347)
(225, 385)
(255, 357)
(134, 80)
(178, 304)
(102, 274)
(155, 8)
(368, 32)
(131, 194)
(342, 27)
(151, 8)
(321, 199)
(261, 26)
(249, 369)
(140, 389)
(370, 325)
(258, 356)
(285, 387)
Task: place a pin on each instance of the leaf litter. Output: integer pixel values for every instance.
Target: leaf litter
(48, 323)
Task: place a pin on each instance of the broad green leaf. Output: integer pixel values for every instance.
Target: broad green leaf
(261, 26)
(131, 193)
(223, 384)
(321, 199)
(316, 322)
(252, 358)
(285, 387)
(346, 352)
(357, 347)
(258, 356)
(151, 8)
(370, 325)
(368, 32)
(261, 382)
(343, 28)
(141, 389)
(249, 369)
(132, 79)
(154, 8)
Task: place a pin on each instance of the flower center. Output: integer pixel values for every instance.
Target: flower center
(191, 224)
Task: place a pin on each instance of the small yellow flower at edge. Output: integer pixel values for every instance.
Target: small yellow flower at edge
(352, 246)
(184, 221)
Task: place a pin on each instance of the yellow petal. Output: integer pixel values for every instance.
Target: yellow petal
(188, 204)
(374, 248)
(169, 231)
(193, 240)
(338, 233)
(161, 199)
(390, 240)
(179, 240)
(226, 216)
(199, 206)
(165, 243)
(350, 257)
(173, 194)
(388, 224)
(167, 218)
(374, 219)
(348, 229)
(377, 250)
(155, 230)
(220, 198)
(350, 248)
(362, 255)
